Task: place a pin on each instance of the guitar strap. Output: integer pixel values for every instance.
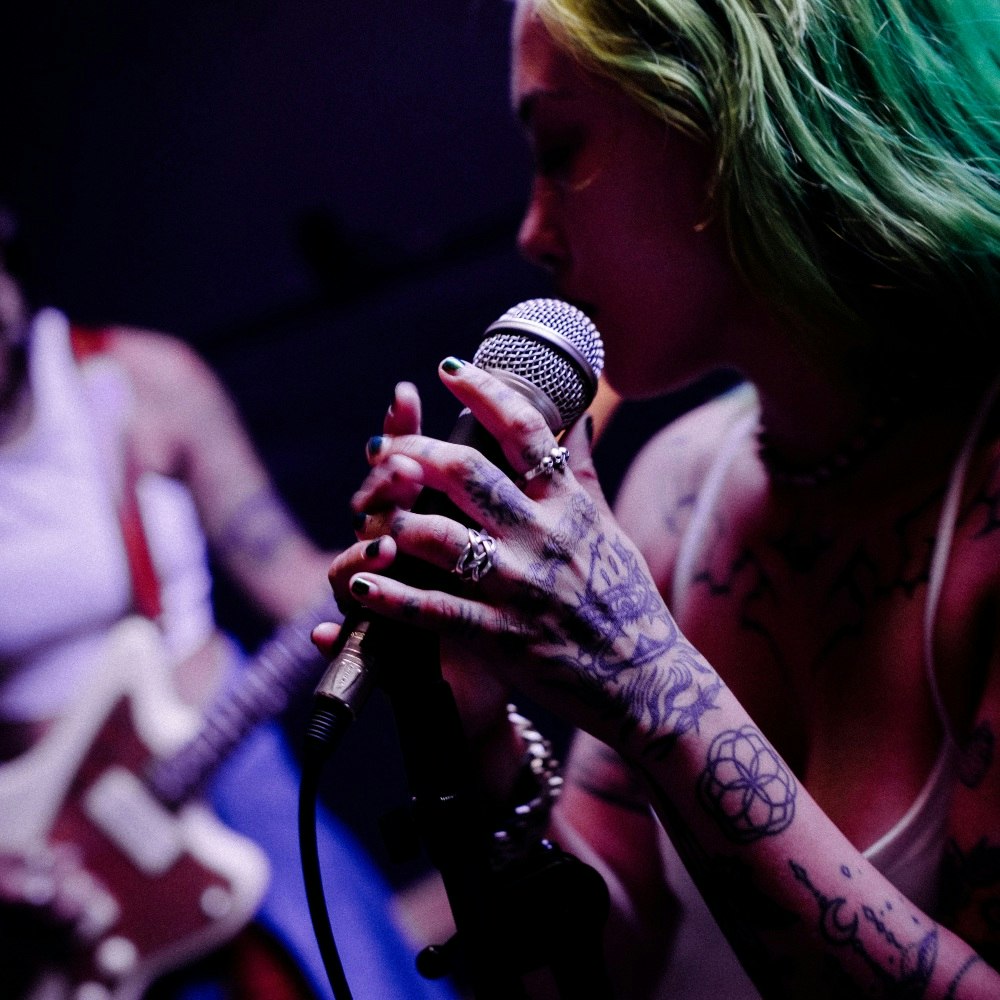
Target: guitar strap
(87, 343)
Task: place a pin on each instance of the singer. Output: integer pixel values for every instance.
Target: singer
(782, 651)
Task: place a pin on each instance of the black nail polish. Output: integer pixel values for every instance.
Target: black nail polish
(588, 426)
(371, 549)
(452, 365)
(360, 587)
(374, 445)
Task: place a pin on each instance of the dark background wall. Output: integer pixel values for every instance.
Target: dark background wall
(319, 195)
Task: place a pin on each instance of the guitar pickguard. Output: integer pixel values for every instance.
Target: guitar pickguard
(182, 883)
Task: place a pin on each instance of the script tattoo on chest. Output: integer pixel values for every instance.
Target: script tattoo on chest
(767, 576)
(977, 755)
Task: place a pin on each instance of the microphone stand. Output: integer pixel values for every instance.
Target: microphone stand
(516, 912)
(541, 910)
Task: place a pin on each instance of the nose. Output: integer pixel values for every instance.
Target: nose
(540, 237)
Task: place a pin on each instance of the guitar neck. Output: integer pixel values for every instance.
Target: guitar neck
(286, 664)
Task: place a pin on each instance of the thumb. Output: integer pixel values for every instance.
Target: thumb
(581, 437)
(324, 637)
(578, 441)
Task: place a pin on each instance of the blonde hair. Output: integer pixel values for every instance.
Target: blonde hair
(857, 144)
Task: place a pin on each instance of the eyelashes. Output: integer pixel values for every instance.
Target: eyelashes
(568, 158)
(555, 160)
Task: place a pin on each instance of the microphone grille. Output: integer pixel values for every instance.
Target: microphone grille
(551, 344)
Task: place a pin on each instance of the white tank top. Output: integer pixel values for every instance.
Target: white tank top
(64, 575)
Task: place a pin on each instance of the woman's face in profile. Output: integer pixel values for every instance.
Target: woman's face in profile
(618, 215)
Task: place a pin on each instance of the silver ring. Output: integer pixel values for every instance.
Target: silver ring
(556, 460)
(477, 558)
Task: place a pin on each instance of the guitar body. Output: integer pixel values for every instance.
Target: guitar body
(181, 883)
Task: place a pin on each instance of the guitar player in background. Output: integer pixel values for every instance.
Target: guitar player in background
(95, 426)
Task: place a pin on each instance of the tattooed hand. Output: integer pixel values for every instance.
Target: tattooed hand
(569, 613)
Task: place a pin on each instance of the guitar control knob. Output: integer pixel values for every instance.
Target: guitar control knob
(216, 902)
(91, 991)
(116, 956)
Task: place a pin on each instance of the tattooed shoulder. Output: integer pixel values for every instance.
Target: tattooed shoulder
(657, 496)
(256, 528)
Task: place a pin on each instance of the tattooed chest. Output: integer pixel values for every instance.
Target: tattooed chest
(792, 628)
(805, 595)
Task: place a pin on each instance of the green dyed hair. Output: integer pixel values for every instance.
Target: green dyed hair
(857, 144)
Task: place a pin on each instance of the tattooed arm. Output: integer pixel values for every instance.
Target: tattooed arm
(843, 942)
(802, 908)
(185, 425)
(571, 615)
(603, 817)
(604, 813)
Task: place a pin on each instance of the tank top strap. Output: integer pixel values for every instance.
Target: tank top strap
(947, 523)
(88, 342)
(91, 342)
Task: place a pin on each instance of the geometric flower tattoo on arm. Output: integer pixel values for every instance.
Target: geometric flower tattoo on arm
(745, 786)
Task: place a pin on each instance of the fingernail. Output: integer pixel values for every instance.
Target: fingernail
(358, 520)
(374, 445)
(371, 549)
(588, 426)
(361, 587)
(452, 365)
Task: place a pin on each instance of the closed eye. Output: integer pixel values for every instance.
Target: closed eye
(555, 160)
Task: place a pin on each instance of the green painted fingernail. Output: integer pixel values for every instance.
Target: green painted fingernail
(374, 445)
(452, 365)
(371, 549)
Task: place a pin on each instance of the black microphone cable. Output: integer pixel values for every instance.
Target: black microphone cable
(317, 739)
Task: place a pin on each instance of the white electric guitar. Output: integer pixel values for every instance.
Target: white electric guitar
(117, 778)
